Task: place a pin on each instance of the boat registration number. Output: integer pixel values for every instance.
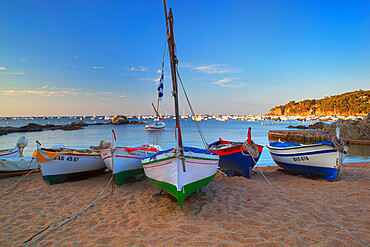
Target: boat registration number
(69, 158)
(302, 158)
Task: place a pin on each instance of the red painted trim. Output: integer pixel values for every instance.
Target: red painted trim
(201, 163)
(107, 157)
(131, 157)
(158, 165)
(114, 135)
(9, 153)
(234, 150)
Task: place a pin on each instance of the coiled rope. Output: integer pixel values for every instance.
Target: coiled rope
(65, 222)
(353, 235)
(176, 153)
(251, 148)
(14, 186)
(338, 144)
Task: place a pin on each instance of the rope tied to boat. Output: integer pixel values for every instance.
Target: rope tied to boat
(338, 144)
(251, 148)
(175, 152)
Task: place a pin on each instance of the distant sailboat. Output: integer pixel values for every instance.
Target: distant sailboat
(158, 124)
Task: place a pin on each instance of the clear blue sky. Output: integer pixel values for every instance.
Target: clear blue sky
(85, 57)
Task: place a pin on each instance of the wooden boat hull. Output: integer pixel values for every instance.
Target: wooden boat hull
(126, 161)
(165, 171)
(65, 166)
(320, 159)
(236, 160)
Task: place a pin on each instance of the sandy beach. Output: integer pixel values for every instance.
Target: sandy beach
(234, 211)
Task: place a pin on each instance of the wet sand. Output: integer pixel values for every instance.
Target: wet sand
(233, 212)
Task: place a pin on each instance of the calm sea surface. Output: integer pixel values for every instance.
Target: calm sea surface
(233, 130)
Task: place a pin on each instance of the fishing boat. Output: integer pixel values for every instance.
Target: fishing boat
(125, 162)
(158, 124)
(237, 158)
(60, 164)
(322, 159)
(179, 171)
(13, 162)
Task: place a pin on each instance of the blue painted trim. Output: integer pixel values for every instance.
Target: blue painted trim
(323, 172)
(307, 153)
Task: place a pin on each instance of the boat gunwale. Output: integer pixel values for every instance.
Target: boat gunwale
(171, 157)
(300, 147)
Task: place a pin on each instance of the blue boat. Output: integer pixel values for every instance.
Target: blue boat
(237, 158)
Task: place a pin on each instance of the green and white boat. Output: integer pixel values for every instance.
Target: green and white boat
(125, 162)
(179, 171)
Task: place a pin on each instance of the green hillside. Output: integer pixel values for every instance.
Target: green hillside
(355, 103)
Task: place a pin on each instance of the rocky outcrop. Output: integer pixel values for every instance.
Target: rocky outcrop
(351, 131)
(79, 123)
(119, 119)
(32, 127)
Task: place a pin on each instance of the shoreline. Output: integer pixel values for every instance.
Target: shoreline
(233, 211)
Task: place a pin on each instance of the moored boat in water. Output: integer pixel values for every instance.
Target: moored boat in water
(237, 158)
(60, 164)
(157, 125)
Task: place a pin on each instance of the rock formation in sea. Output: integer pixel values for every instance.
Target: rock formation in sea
(119, 119)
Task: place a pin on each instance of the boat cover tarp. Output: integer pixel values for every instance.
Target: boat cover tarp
(43, 155)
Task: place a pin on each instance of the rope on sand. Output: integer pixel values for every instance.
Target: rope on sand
(353, 235)
(65, 222)
(18, 182)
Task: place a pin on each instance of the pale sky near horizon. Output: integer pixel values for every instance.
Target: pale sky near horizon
(235, 56)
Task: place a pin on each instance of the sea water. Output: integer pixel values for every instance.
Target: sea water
(134, 134)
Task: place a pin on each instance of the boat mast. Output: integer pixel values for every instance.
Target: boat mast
(173, 62)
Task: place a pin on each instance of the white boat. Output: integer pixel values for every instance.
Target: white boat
(125, 162)
(9, 153)
(157, 125)
(179, 171)
(321, 159)
(60, 164)
(12, 160)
